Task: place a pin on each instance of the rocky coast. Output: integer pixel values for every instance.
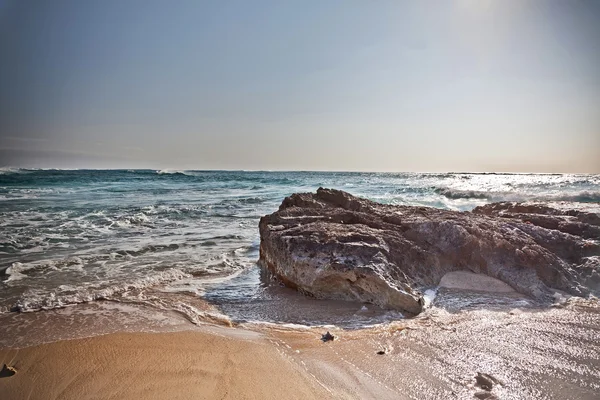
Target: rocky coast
(333, 245)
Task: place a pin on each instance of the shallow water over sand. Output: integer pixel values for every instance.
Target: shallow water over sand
(533, 353)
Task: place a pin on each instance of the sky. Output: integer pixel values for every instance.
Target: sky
(465, 85)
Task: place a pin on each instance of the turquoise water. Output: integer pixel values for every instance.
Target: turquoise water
(76, 236)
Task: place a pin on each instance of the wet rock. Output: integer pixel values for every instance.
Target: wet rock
(7, 371)
(327, 337)
(574, 222)
(337, 246)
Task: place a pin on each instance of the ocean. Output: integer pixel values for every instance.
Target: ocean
(186, 242)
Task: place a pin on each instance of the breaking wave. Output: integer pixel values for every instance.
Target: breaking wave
(584, 197)
(37, 300)
(494, 196)
(455, 194)
(172, 172)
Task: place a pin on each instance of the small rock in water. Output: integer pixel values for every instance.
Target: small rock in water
(327, 337)
(7, 371)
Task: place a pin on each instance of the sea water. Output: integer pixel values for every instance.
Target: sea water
(178, 240)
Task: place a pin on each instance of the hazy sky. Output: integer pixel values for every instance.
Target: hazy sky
(469, 85)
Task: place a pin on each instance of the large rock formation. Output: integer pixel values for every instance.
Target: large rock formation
(337, 246)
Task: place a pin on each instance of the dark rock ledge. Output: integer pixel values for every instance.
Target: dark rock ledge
(337, 246)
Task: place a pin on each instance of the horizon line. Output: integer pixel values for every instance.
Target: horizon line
(181, 170)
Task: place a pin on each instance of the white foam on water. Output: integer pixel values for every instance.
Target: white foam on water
(429, 296)
(40, 299)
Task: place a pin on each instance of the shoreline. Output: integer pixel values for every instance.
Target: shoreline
(435, 355)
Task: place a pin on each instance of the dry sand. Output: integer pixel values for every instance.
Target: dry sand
(181, 365)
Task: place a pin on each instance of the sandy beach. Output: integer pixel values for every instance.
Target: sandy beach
(183, 365)
(436, 355)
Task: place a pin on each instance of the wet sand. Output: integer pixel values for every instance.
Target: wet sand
(180, 365)
(465, 280)
(531, 353)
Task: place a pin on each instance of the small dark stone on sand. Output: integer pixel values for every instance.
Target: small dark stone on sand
(327, 337)
(486, 396)
(381, 352)
(7, 371)
(485, 381)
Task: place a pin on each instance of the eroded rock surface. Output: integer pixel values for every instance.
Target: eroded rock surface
(335, 245)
